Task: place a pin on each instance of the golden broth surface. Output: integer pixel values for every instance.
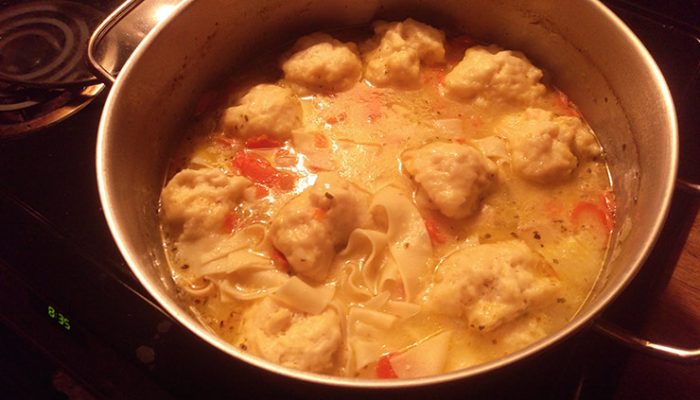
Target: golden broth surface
(362, 133)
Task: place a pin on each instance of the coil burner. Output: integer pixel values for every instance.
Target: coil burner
(43, 74)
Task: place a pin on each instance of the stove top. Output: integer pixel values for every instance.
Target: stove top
(43, 75)
(75, 323)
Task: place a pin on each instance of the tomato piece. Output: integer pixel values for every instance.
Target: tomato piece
(319, 214)
(259, 170)
(586, 208)
(563, 103)
(280, 260)
(433, 231)
(373, 116)
(284, 180)
(261, 191)
(441, 76)
(384, 369)
(398, 292)
(373, 101)
(434, 76)
(285, 158)
(337, 118)
(321, 141)
(262, 142)
(254, 167)
(230, 223)
(225, 141)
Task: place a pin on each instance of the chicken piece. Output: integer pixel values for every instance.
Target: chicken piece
(266, 109)
(488, 74)
(196, 202)
(314, 226)
(454, 177)
(292, 339)
(489, 285)
(321, 63)
(395, 55)
(544, 146)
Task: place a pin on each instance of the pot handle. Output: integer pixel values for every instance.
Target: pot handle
(664, 351)
(667, 352)
(688, 186)
(116, 38)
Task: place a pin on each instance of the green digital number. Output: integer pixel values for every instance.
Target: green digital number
(63, 321)
(60, 318)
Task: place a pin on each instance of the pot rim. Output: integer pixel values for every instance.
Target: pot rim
(577, 323)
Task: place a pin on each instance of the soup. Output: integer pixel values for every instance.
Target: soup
(387, 205)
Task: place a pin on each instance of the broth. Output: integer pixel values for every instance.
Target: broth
(409, 272)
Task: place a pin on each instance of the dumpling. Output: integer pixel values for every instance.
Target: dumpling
(544, 146)
(321, 63)
(303, 238)
(395, 55)
(344, 206)
(292, 339)
(314, 226)
(490, 284)
(455, 177)
(196, 201)
(266, 109)
(488, 74)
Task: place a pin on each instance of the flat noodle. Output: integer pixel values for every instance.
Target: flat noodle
(367, 248)
(425, 358)
(372, 317)
(378, 301)
(361, 329)
(250, 237)
(250, 284)
(366, 352)
(352, 284)
(390, 277)
(402, 309)
(409, 243)
(207, 290)
(366, 328)
(296, 294)
(236, 261)
(306, 142)
(208, 255)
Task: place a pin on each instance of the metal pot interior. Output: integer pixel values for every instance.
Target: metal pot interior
(591, 55)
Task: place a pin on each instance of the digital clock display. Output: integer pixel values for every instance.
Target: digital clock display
(60, 318)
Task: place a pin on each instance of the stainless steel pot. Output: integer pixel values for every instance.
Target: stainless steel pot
(590, 53)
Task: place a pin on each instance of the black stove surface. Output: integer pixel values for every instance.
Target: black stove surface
(76, 324)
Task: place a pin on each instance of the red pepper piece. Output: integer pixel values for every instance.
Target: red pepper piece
(384, 369)
(433, 231)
